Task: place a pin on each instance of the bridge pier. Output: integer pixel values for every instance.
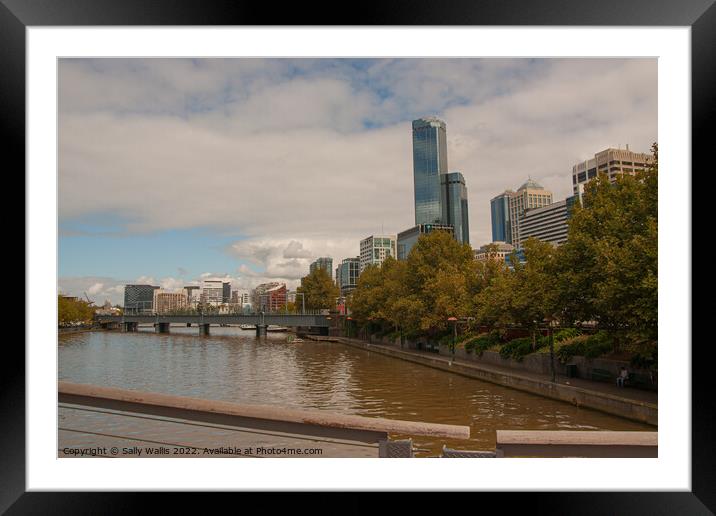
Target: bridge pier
(130, 327)
(162, 327)
(204, 330)
(261, 330)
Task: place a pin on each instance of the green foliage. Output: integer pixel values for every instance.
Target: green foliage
(482, 343)
(646, 358)
(392, 335)
(566, 334)
(446, 340)
(589, 346)
(517, 348)
(319, 290)
(607, 271)
(73, 311)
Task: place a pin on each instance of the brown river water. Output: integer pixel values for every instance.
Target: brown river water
(233, 365)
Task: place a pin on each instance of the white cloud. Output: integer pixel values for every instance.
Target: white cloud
(98, 289)
(171, 283)
(277, 150)
(95, 289)
(295, 249)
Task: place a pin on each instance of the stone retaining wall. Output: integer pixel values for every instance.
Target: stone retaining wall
(624, 407)
(534, 363)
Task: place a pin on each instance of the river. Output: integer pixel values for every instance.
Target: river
(234, 365)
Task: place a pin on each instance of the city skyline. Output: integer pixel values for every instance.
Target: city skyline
(203, 145)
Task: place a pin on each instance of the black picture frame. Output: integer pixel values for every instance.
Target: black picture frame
(17, 15)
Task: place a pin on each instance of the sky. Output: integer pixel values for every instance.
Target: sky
(173, 170)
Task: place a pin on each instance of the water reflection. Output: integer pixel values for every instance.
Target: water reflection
(233, 365)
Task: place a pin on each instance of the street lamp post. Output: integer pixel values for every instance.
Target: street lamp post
(454, 336)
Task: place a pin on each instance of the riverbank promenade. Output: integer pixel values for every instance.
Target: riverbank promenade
(636, 404)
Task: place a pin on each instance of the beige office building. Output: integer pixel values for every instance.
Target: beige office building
(612, 162)
(493, 251)
(375, 249)
(528, 196)
(166, 302)
(548, 223)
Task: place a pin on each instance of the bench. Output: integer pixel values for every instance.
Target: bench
(601, 375)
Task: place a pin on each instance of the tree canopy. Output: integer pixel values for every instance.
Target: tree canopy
(605, 273)
(319, 290)
(71, 311)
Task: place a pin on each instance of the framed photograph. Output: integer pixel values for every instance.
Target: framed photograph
(427, 234)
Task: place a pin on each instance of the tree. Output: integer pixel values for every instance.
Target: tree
(437, 266)
(72, 311)
(608, 267)
(534, 298)
(494, 302)
(399, 306)
(319, 289)
(369, 299)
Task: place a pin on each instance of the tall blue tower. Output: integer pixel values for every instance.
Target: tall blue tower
(429, 163)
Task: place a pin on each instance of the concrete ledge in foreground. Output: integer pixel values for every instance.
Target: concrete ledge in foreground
(313, 422)
(575, 443)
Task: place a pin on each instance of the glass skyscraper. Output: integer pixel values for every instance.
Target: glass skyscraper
(440, 196)
(408, 238)
(500, 215)
(324, 263)
(139, 299)
(429, 163)
(454, 205)
(347, 275)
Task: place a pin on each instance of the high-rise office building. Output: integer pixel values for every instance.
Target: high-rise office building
(347, 275)
(375, 249)
(226, 292)
(408, 238)
(139, 299)
(212, 291)
(612, 162)
(265, 295)
(440, 196)
(166, 301)
(324, 263)
(549, 223)
(528, 196)
(270, 297)
(429, 163)
(240, 297)
(500, 217)
(193, 293)
(454, 205)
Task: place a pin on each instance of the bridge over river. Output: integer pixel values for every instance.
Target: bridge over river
(162, 323)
